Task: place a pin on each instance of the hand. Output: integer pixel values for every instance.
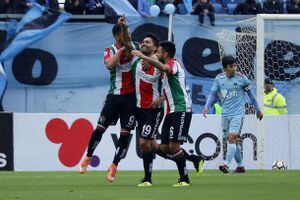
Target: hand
(120, 51)
(259, 115)
(157, 102)
(138, 54)
(145, 65)
(205, 112)
(122, 20)
(206, 11)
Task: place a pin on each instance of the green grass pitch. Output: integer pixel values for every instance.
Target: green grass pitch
(211, 185)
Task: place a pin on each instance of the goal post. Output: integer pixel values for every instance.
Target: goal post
(266, 46)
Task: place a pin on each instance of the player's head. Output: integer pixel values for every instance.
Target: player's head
(149, 44)
(117, 31)
(229, 64)
(166, 50)
(269, 85)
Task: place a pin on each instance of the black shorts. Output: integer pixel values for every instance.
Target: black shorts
(118, 106)
(176, 127)
(148, 121)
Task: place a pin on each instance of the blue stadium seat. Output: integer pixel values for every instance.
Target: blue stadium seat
(231, 7)
(234, 1)
(218, 8)
(182, 9)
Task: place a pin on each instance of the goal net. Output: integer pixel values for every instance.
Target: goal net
(268, 46)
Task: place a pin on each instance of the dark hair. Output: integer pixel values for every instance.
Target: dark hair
(228, 60)
(168, 47)
(268, 81)
(117, 28)
(154, 38)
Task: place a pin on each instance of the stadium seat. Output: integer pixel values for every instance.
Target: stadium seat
(182, 9)
(218, 8)
(230, 8)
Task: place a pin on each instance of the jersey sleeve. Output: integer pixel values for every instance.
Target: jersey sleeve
(173, 67)
(215, 87)
(108, 53)
(246, 84)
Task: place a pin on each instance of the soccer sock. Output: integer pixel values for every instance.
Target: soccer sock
(231, 149)
(148, 163)
(238, 156)
(163, 154)
(121, 147)
(190, 157)
(180, 160)
(95, 139)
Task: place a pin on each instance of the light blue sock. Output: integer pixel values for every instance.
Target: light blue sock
(238, 156)
(231, 149)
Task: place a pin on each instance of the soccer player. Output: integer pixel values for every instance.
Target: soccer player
(178, 118)
(149, 112)
(233, 87)
(120, 101)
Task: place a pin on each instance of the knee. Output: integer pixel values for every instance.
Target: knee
(145, 145)
(233, 138)
(99, 129)
(164, 148)
(174, 147)
(125, 132)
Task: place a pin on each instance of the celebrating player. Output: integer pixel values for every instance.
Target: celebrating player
(178, 118)
(120, 101)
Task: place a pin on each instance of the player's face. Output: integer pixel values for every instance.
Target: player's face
(230, 69)
(161, 54)
(268, 87)
(147, 46)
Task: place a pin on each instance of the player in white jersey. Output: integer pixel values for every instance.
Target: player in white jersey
(232, 87)
(120, 101)
(149, 112)
(178, 118)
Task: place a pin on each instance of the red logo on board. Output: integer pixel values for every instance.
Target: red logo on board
(73, 140)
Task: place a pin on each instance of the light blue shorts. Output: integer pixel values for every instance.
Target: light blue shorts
(232, 125)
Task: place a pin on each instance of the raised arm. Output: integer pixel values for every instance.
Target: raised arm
(156, 63)
(111, 61)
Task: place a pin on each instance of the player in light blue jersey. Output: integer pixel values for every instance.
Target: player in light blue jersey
(232, 87)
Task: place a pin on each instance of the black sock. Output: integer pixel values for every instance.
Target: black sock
(180, 160)
(163, 154)
(190, 157)
(121, 147)
(148, 162)
(94, 141)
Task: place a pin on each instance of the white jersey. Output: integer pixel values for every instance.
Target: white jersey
(121, 81)
(147, 84)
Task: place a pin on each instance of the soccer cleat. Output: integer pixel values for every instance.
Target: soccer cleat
(83, 166)
(224, 168)
(182, 184)
(145, 183)
(112, 170)
(198, 164)
(240, 170)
